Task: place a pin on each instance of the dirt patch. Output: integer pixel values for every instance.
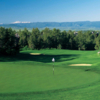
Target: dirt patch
(80, 65)
(36, 54)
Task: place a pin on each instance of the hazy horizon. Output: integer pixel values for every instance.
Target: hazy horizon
(46, 22)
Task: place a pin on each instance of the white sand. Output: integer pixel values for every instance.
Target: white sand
(80, 65)
(35, 53)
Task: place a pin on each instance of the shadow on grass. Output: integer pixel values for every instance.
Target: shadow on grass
(39, 58)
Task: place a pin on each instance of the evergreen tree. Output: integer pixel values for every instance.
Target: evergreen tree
(8, 42)
(35, 39)
(80, 39)
(97, 43)
(24, 35)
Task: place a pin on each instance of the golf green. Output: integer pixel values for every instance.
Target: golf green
(28, 78)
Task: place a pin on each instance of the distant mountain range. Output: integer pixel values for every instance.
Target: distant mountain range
(81, 25)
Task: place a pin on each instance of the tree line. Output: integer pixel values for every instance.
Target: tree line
(55, 38)
(11, 41)
(8, 41)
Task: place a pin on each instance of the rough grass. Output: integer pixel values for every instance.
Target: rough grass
(28, 76)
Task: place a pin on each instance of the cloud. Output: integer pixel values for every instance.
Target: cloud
(1, 23)
(20, 22)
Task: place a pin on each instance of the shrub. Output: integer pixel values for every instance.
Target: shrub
(59, 46)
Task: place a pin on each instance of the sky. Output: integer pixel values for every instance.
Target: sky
(26, 11)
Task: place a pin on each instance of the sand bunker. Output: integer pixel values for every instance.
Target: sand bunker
(80, 65)
(36, 54)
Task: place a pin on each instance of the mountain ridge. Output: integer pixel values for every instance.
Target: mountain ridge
(66, 25)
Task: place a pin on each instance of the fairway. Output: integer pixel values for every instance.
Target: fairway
(32, 75)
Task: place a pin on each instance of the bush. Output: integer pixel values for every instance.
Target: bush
(25, 48)
(59, 46)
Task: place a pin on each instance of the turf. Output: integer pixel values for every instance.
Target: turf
(29, 77)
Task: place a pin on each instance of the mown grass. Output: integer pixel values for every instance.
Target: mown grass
(30, 77)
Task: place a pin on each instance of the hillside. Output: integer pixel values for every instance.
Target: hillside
(81, 25)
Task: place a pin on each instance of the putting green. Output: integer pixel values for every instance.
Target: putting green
(31, 78)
